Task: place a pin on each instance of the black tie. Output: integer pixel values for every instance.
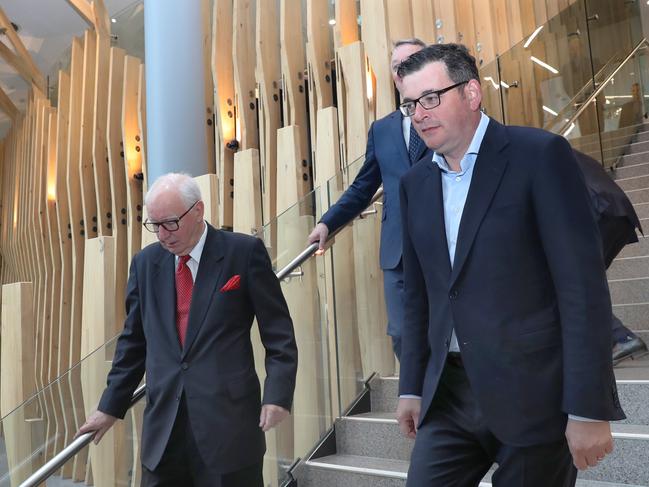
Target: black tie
(414, 145)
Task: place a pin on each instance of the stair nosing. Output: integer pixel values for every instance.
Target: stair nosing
(359, 470)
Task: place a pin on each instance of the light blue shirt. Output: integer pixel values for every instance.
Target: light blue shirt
(455, 188)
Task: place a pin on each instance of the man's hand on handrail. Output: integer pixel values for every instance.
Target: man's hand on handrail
(319, 234)
(97, 422)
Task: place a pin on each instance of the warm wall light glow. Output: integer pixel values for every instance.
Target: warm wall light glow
(531, 38)
(369, 82)
(493, 83)
(51, 192)
(550, 111)
(544, 65)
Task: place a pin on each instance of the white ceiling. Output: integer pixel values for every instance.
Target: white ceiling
(47, 27)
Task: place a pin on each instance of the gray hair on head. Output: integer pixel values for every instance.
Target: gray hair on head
(186, 186)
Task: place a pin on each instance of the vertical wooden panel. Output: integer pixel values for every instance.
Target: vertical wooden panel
(399, 19)
(209, 187)
(485, 49)
(291, 182)
(243, 52)
(268, 79)
(247, 198)
(526, 16)
(101, 167)
(344, 351)
(464, 24)
(117, 177)
(423, 20)
(376, 33)
(319, 55)
(500, 26)
(67, 271)
(514, 23)
(87, 177)
(132, 137)
(445, 25)
(209, 87)
(223, 75)
(293, 67)
(346, 29)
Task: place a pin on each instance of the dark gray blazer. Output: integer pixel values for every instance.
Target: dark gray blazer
(215, 370)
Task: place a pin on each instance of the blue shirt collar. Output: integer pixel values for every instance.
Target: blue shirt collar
(474, 148)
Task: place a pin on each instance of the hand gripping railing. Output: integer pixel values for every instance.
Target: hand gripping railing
(43, 473)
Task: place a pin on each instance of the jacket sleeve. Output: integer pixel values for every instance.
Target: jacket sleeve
(572, 246)
(275, 328)
(359, 194)
(414, 333)
(130, 355)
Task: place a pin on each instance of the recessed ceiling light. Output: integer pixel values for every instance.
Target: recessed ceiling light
(113, 20)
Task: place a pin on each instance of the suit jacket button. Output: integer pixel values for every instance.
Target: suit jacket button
(454, 294)
(184, 366)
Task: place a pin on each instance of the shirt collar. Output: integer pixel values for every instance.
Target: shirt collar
(473, 149)
(197, 251)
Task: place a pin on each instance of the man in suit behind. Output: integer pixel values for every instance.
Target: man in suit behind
(617, 221)
(506, 337)
(392, 147)
(191, 300)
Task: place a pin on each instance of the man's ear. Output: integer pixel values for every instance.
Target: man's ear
(473, 93)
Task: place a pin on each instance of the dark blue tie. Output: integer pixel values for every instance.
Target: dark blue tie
(414, 144)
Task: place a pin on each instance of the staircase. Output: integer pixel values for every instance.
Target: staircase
(366, 447)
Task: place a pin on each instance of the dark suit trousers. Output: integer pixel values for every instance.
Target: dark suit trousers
(454, 447)
(181, 463)
(394, 304)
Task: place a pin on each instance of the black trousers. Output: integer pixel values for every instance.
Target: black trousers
(181, 464)
(454, 447)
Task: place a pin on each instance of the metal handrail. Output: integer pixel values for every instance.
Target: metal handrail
(43, 473)
(643, 43)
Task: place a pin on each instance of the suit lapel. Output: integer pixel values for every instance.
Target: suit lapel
(487, 173)
(436, 207)
(395, 131)
(207, 278)
(164, 288)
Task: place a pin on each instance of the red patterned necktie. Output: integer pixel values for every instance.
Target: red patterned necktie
(184, 287)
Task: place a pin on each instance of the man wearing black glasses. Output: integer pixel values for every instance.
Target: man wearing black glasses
(191, 300)
(392, 147)
(506, 338)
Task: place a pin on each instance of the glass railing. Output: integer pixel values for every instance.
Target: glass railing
(546, 79)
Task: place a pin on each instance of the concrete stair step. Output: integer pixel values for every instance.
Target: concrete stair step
(639, 169)
(372, 434)
(629, 267)
(642, 210)
(352, 470)
(634, 316)
(640, 248)
(638, 146)
(628, 291)
(630, 159)
(633, 182)
(638, 195)
(626, 466)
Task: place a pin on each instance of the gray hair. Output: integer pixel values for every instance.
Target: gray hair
(186, 186)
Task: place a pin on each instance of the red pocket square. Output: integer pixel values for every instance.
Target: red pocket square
(233, 283)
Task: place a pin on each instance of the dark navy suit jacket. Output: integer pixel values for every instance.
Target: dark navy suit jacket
(215, 370)
(527, 294)
(386, 160)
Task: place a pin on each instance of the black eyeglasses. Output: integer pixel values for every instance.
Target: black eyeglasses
(427, 101)
(169, 225)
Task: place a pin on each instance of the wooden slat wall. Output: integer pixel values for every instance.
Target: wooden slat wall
(72, 179)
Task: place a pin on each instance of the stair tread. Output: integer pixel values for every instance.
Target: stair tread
(364, 464)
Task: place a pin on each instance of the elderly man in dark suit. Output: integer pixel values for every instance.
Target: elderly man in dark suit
(506, 352)
(191, 300)
(617, 221)
(392, 147)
